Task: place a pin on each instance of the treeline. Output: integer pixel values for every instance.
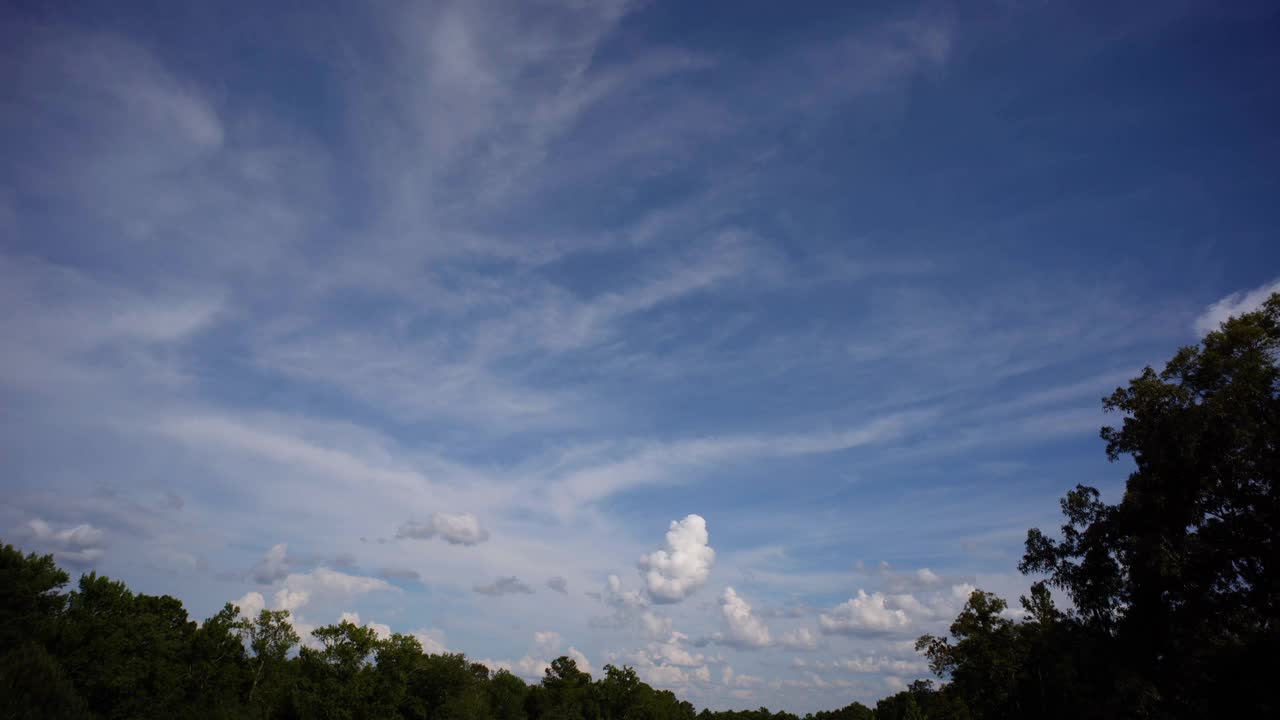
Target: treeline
(102, 651)
(1174, 605)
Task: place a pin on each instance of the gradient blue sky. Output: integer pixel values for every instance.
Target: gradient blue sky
(443, 313)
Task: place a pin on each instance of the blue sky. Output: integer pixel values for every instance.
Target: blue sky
(731, 341)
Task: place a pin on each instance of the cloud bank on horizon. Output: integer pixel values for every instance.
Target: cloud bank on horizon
(437, 316)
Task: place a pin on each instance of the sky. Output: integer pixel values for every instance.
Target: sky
(733, 341)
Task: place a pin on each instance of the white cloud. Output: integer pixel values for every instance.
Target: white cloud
(583, 663)
(1234, 305)
(527, 667)
(799, 639)
(381, 630)
(455, 529)
(287, 599)
(616, 596)
(872, 664)
(655, 625)
(927, 576)
(547, 642)
(323, 581)
(77, 544)
(863, 614)
(273, 566)
(702, 674)
(663, 676)
(673, 652)
(745, 630)
(433, 641)
(682, 565)
(251, 604)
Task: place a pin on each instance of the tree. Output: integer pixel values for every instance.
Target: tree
(271, 636)
(985, 659)
(337, 680)
(1179, 580)
(29, 597)
(218, 666)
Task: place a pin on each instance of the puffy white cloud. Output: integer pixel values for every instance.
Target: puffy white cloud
(614, 595)
(962, 592)
(455, 529)
(584, 664)
(433, 641)
(799, 639)
(663, 676)
(273, 566)
(78, 544)
(1233, 305)
(527, 667)
(323, 581)
(928, 576)
(702, 674)
(547, 642)
(673, 652)
(251, 604)
(509, 585)
(532, 668)
(745, 630)
(863, 614)
(287, 599)
(682, 565)
(382, 631)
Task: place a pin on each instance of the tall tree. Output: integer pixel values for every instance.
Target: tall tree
(1180, 578)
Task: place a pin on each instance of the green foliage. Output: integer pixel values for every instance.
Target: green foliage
(29, 598)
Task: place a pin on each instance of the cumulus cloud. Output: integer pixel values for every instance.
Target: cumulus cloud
(382, 631)
(558, 584)
(682, 565)
(673, 652)
(614, 595)
(433, 641)
(799, 639)
(863, 614)
(744, 630)
(534, 668)
(547, 642)
(77, 544)
(509, 585)
(251, 604)
(273, 566)
(324, 581)
(527, 667)
(1233, 305)
(455, 529)
(287, 599)
(927, 576)
(578, 657)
